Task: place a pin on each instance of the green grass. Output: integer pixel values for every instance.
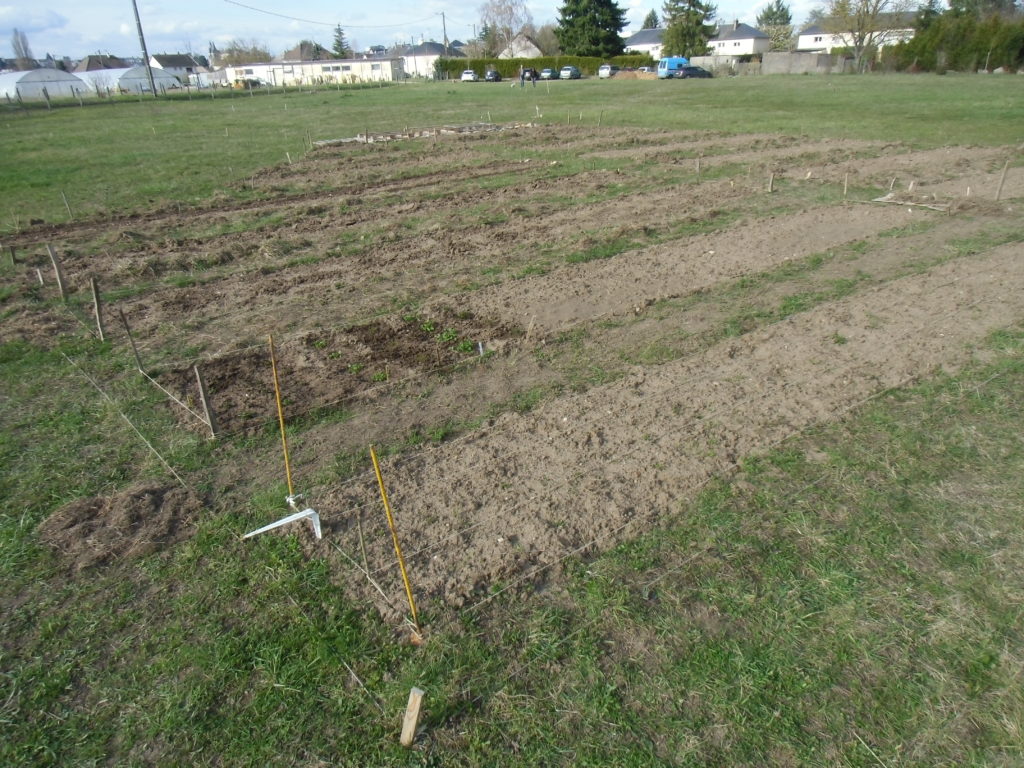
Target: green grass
(853, 600)
(139, 156)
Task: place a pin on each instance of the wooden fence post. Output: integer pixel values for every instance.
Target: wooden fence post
(1002, 178)
(412, 717)
(204, 398)
(98, 307)
(57, 271)
(131, 340)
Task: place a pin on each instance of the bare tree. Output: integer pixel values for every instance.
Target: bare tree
(866, 25)
(22, 52)
(544, 36)
(506, 18)
(239, 52)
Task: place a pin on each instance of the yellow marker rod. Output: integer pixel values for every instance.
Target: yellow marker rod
(394, 538)
(280, 418)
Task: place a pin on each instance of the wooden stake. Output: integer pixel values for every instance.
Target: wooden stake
(771, 182)
(892, 183)
(131, 340)
(57, 271)
(846, 184)
(204, 398)
(412, 717)
(1002, 178)
(39, 274)
(71, 216)
(600, 117)
(10, 251)
(97, 308)
(362, 543)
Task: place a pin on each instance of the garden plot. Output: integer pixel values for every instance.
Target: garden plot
(600, 273)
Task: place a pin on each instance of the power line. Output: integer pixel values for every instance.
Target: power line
(328, 23)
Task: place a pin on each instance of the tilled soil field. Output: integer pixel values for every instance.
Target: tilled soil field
(561, 333)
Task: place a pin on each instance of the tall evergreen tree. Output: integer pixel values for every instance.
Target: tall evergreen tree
(651, 20)
(591, 28)
(688, 27)
(776, 21)
(341, 48)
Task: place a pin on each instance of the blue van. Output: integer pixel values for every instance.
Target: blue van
(670, 67)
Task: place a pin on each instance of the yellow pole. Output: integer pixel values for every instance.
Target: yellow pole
(280, 418)
(394, 538)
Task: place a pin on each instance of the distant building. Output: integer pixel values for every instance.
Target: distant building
(419, 60)
(100, 61)
(521, 47)
(181, 65)
(645, 41)
(734, 39)
(739, 40)
(893, 28)
(280, 73)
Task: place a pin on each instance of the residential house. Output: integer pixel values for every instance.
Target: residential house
(100, 61)
(646, 41)
(181, 65)
(521, 47)
(738, 39)
(893, 28)
(419, 60)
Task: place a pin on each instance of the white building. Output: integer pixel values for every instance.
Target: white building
(521, 47)
(180, 65)
(645, 41)
(739, 40)
(316, 72)
(894, 28)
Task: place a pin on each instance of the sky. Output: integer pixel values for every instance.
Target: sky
(75, 29)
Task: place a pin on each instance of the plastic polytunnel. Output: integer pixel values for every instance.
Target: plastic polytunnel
(132, 80)
(31, 84)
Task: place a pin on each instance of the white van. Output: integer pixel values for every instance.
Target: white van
(607, 70)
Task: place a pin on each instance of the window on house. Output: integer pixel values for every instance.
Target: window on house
(246, 71)
(375, 67)
(817, 39)
(346, 68)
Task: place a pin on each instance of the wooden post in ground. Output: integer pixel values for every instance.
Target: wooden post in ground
(131, 340)
(1002, 179)
(771, 182)
(204, 398)
(98, 308)
(71, 216)
(39, 276)
(57, 271)
(846, 184)
(10, 252)
(412, 717)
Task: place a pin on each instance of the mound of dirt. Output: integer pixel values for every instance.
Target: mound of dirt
(135, 522)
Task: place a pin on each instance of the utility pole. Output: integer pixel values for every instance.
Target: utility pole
(444, 29)
(145, 53)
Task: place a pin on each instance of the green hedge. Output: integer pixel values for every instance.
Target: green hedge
(509, 68)
(962, 43)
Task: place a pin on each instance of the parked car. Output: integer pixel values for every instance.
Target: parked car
(569, 72)
(688, 72)
(469, 76)
(548, 74)
(492, 76)
(607, 70)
